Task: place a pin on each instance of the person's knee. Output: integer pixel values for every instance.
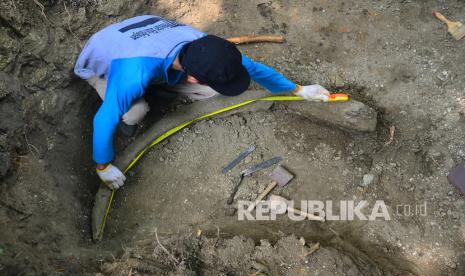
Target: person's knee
(100, 85)
(136, 113)
(194, 91)
(202, 92)
(208, 93)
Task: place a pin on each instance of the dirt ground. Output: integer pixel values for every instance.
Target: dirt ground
(392, 55)
(288, 256)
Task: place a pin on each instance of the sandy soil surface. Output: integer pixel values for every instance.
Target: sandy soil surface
(391, 55)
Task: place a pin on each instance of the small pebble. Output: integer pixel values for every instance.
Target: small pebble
(368, 179)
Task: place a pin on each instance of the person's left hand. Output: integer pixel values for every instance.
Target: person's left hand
(315, 92)
(112, 176)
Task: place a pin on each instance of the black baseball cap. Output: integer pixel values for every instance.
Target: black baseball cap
(217, 63)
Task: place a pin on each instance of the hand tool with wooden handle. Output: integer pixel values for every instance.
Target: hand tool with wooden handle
(249, 171)
(456, 29)
(281, 177)
(277, 200)
(256, 38)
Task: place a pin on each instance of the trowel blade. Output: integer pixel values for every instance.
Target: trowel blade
(263, 165)
(238, 159)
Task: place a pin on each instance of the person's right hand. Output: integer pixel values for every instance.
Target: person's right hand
(111, 176)
(315, 92)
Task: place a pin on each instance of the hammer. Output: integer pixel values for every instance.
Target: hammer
(281, 177)
(278, 201)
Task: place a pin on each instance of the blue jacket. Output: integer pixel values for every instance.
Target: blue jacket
(138, 51)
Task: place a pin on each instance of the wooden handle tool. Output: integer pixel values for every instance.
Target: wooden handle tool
(256, 38)
(441, 17)
(276, 201)
(281, 177)
(262, 195)
(456, 29)
(302, 213)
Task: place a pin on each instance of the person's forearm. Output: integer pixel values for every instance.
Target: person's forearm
(267, 77)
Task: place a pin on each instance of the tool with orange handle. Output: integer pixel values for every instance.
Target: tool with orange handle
(456, 29)
(338, 97)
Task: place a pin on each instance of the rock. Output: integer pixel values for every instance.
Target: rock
(451, 264)
(109, 8)
(229, 211)
(369, 179)
(345, 172)
(352, 115)
(337, 80)
(3, 142)
(8, 85)
(4, 163)
(9, 47)
(443, 76)
(11, 14)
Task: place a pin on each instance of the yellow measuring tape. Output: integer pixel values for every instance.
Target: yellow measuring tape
(185, 124)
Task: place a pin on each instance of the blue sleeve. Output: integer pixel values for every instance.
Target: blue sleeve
(267, 76)
(127, 81)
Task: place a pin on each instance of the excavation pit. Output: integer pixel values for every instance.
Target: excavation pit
(178, 187)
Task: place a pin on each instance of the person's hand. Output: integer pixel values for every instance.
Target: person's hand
(111, 176)
(315, 92)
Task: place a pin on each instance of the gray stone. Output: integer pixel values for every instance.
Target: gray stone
(352, 115)
(112, 8)
(248, 159)
(8, 85)
(369, 179)
(3, 142)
